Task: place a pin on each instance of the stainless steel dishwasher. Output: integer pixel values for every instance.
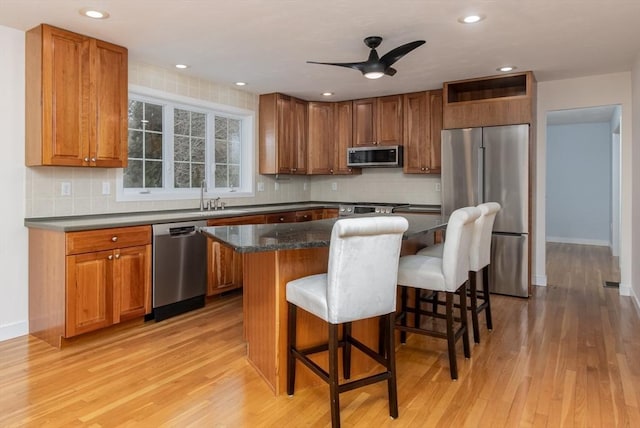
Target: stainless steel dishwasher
(179, 268)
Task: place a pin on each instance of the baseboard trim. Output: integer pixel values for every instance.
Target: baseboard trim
(540, 280)
(9, 331)
(579, 241)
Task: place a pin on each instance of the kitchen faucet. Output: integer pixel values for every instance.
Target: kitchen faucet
(203, 188)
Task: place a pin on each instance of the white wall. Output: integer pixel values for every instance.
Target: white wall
(615, 182)
(591, 91)
(13, 251)
(579, 183)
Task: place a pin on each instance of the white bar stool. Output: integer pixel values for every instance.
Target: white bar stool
(360, 283)
(449, 274)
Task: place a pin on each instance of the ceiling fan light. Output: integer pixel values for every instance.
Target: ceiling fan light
(374, 74)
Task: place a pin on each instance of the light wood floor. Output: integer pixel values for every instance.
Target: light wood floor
(568, 356)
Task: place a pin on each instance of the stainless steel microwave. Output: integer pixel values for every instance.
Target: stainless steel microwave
(380, 156)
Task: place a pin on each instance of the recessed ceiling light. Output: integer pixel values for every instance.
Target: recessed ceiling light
(95, 14)
(327, 94)
(241, 83)
(471, 19)
(507, 68)
(182, 66)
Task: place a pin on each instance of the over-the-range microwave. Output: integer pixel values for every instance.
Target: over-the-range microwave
(381, 156)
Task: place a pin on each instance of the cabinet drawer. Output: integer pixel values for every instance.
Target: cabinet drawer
(107, 239)
(286, 217)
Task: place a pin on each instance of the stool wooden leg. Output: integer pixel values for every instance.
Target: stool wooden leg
(451, 340)
(417, 305)
(403, 313)
(473, 285)
(291, 343)
(487, 299)
(346, 351)
(463, 320)
(390, 352)
(333, 375)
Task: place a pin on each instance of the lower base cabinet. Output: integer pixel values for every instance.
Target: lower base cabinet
(84, 281)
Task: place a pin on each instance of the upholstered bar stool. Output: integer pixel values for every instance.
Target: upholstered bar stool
(449, 274)
(479, 259)
(360, 283)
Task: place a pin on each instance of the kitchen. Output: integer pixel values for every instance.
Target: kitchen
(42, 199)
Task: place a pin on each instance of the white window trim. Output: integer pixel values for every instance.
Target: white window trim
(248, 149)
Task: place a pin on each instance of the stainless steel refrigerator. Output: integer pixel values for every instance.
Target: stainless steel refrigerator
(491, 164)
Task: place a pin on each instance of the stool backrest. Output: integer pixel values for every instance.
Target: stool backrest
(480, 252)
(363, 267)
(455, 254)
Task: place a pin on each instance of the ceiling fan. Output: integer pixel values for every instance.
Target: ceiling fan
(375, 67)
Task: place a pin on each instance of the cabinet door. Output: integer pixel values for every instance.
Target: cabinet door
(343, 137)
(108, 144)
(389, 120)
(320, 138)
(422, 125)
(364, 122)
(65, 97)
(132, 282)
(435, 114)
(286, 217)
(284, 143)
(299, 136)
(224, 265)
(89, 293)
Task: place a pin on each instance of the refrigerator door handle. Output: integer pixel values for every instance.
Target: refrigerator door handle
(480, 178)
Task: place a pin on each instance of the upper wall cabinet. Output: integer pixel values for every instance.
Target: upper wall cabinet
(377, 121)
(282, 135)
(329, 138)
(495, 100)
(422, 126)
(76, 100)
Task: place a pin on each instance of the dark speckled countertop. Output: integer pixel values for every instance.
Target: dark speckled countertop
(282, 236)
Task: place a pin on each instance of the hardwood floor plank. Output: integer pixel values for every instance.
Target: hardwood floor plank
(567, 356)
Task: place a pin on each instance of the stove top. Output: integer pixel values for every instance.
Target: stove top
(369, 208)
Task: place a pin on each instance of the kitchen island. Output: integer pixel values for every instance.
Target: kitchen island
(274, 254)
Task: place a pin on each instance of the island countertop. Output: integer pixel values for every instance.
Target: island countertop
(253, 238)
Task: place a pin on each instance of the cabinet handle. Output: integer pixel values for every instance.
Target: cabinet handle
(114, 238)
(86, 159)
(294, 169)
(110, 257)
(331, 171)
(117, 256)
(93, 159)
(427, 169)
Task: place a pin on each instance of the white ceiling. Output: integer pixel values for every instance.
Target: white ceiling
(267, 42)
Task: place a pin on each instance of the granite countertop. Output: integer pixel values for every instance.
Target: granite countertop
(105, 221)
(282, 236)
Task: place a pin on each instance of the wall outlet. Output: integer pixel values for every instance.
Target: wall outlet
(260, 186)
(334, 186)
(437, 187)
(276, 186)
(65, 188)
(305, 186)
(106, 188)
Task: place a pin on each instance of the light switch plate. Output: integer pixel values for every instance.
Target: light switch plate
(437, 187)
(106, 188)
(260, 186)
(334, 186)
(276, 186)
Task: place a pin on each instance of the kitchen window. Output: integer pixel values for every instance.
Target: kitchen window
(177, 143)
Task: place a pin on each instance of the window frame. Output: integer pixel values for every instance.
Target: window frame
(171, 101)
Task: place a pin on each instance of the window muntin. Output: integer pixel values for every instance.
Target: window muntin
(145, 145)
(227, 152)
(189, 144)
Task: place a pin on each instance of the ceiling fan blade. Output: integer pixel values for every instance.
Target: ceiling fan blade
(390, 71)
(395, 54)
(355, 65)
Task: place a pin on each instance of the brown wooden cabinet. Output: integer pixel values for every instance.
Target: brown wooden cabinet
(378, 121)
(422, 129)
(329, 137)
(76, 100)
(282, 135)
(224, 265)
(83, 281)
(506, 99)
